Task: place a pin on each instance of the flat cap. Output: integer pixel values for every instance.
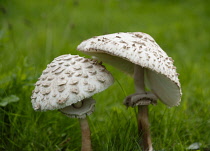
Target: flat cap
(123, 50)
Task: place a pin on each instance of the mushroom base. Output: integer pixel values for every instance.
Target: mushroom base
(138, 99)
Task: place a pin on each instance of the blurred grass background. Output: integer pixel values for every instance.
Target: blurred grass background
(32, 33)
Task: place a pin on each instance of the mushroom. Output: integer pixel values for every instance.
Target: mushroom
(68, 84)
(138, 54)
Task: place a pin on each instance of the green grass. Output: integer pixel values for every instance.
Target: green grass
(32, 33)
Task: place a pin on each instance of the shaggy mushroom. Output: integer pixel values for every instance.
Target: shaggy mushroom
(68, 84)
(139, 55)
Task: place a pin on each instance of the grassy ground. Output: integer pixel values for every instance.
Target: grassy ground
(32, 33)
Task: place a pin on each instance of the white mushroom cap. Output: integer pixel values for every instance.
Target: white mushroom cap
(69, 79)
(123, 50)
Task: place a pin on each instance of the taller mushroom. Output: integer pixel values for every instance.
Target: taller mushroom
(139, 55)
(68, 84)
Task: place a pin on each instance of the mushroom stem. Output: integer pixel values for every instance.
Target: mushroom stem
(142, 117)
(85, 130)
(84, 126)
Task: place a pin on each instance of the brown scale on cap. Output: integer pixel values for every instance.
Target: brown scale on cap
(74, 90)
(73, 82)
(78, 74)
(90, 88)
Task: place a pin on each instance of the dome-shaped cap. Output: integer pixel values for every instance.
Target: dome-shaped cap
(69, 79)
(123, 50)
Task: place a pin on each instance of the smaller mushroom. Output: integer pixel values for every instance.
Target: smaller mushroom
(72, 95)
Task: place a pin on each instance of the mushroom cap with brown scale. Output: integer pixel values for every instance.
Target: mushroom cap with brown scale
(124, 50)
(69, 79)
